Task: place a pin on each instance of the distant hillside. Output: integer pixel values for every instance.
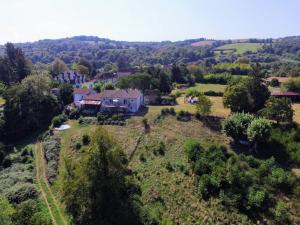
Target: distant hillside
(102, 51)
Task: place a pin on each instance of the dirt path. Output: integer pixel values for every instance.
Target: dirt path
(50, 200)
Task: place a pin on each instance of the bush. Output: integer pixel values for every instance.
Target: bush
(74, 114)
(59, 120)
(280, 213)
(259, 130)
(193, 149)
(236, 125)
(183, 115)
(85, 139)
(21, 192)
(274, 83)
(52, 147)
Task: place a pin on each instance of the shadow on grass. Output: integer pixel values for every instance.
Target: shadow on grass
(267, 150)
(212, 122)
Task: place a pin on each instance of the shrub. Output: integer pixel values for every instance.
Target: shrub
(256, 198)
(74, 114)
(236, 125)
(193, 149)
(172, 111)
(183, 115)
(51, 146)
(59, 120)
(21, 192)
(80, 120)
(169, 167)
(274, 83)
(85, 139)
(259, 131)
(280, 213)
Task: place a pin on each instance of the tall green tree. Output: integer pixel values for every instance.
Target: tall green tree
(58, 66)
(203, 105)
(29, 105)
(95, 187)
(14, 66)
(278, 109)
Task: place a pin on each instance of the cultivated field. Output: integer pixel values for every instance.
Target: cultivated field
(241, 47)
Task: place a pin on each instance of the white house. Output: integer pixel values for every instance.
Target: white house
(79, 94)
(127, 100)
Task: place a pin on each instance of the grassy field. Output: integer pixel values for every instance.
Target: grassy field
(241, 47)
(206, 87)
(2, 101)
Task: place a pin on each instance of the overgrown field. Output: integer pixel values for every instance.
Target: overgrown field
(241, 48)
(159, 165)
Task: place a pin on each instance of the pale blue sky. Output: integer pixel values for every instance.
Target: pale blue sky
(148, 20)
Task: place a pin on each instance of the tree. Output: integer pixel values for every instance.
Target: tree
(29, 105)
(58, 67)
(259, 131)
(203, 105)
(258, 90)
(81, 69)
(236, 97)
(237, 124)
(66, 93)
(14, 66)
(95, 190)
(108, 86)
(176, 74)
(292, 84)
(278, 109)
(6, 211)
(164, 82)
(249, 95)
(141, 81)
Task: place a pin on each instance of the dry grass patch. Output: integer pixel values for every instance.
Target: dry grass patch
(296, 107)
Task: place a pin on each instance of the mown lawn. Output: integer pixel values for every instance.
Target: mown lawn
(241, 47)
(208, 87)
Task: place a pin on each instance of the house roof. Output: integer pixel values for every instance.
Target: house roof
(285, 94)
(122, 93)
(93, 97)
(81, 91)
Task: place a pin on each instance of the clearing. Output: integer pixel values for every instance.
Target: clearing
(240, 48)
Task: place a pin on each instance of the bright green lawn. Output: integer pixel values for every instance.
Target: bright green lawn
(241, 47)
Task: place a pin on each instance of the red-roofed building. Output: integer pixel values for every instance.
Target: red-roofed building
(79, 94)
